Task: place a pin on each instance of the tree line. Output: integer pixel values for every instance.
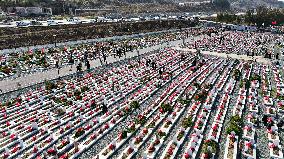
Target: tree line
(260, 17)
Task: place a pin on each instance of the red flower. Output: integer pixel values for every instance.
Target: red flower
(145, 131)
(170, 151)
(51, 151)
(106, 126)
(15, 149)
(35, 150)
(34, 138)
(6, 155)
(30, 128)
(129, 150)
(93, 136)
(186, 155)
(111, 147)
(61, 131)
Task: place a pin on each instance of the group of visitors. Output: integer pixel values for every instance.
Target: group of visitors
(244, 43)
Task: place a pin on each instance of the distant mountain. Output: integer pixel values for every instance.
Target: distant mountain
(139, 6)
(251, 4)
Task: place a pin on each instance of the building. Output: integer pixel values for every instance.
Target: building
(194, 3)
(30, 11)
(240, 27)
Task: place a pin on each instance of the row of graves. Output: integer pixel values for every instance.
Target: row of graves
(184, 112)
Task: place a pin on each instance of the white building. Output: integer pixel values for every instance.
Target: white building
(241, 27)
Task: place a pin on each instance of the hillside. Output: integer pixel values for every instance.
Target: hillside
(249, 4)
(137, 6)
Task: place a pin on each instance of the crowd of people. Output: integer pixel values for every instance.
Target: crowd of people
(245, 43)
(19, 63)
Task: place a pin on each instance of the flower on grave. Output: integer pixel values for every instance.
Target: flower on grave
(170, 151)
(61, 131)
(215, 127)
(205, 155)
(248, 128)
(6, 155)
(186, 155)
(157, 141)
(161, 110)
(55, 123)
(106, 126)
(13, 136)
(8, 124)
(64, 156)
(151, 148)
(219, 117)
(111, 146)
(269, 131)
(145, 131)
(113, 121)
(68, 126)
(88, 127)
(130, 150)
(269, 120)
(80, 131)
(35, 149)
(101, 131)
(51, 151)
(126, 109)
(49, 140)
(64, 142)
(15, 149)
(34, 138)
(232, 137)
(272, 145)
(122, 135)
(249, 144)
(46, 120)
(161, 133)
(71, 114)
(93, 136)
(90, 113)
(30, 128)
(196, 97)
(137, 140)
(78, 120)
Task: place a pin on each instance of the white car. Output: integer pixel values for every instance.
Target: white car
(52, 22)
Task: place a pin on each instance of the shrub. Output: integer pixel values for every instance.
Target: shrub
(84, 89)
(187, 122)
(50, 85)
(166, 107)
(134, 105)
(235, 125)
(237, 74)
